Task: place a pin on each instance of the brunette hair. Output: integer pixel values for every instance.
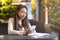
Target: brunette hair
(16, 18)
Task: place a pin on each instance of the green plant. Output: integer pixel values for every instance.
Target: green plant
(6, 9)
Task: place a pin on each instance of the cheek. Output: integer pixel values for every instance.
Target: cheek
(20, 15)
(25, 15)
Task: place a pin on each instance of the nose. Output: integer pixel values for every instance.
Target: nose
(23, 15)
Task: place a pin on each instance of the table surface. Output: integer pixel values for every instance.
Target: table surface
(46, 37)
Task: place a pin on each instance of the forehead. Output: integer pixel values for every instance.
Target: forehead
(23, 9)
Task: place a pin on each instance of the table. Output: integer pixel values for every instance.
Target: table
(52, 36)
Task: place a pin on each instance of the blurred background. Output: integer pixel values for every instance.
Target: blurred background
(47, 12)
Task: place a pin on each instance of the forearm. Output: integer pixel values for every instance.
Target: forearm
(15, 32)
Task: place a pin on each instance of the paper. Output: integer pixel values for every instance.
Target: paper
(37, 35)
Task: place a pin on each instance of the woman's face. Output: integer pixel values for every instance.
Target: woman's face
(22, 13)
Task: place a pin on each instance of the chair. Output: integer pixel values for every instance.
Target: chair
(3, 28)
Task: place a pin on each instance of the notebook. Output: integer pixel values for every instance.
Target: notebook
(37, 35)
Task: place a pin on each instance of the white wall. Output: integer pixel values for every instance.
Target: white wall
(30, 16)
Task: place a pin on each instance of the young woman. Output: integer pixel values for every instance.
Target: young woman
(20, 24)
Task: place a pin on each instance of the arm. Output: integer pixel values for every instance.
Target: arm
(10, 28)
(32, 28)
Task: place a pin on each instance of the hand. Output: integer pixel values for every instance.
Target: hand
(27, 32)
(19, 33)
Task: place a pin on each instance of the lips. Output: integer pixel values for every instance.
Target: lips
(23, 17)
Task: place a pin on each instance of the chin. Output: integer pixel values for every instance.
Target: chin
(23, 17)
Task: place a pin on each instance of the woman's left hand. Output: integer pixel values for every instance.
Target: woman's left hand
(26, 32)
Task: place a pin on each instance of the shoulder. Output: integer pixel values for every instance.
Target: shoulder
(11, 20)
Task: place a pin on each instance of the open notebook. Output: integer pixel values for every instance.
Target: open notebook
(37, 35)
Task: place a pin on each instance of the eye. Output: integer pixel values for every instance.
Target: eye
(23, 12)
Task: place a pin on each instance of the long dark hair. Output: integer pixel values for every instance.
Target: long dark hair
(16, 18)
